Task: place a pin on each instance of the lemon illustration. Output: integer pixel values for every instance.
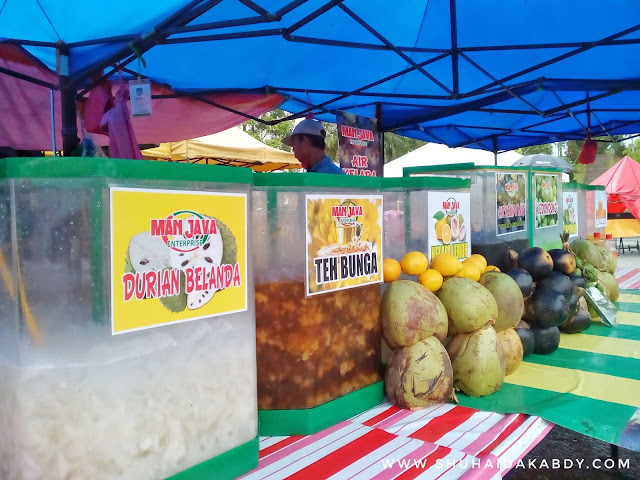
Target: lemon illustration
(446, 234)
(440, 224)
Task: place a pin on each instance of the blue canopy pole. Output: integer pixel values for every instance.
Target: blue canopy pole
(53, 123)
(67, 102)
(495, 151)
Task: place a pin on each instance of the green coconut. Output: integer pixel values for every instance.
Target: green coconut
(419, 375)
(478, 362)
(612, 285)
(588, 252)
(409, 313)
(508, 296)
(512, 348)
(469, 305)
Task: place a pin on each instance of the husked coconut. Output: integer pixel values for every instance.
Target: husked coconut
(478, 362)
(419, 375)
(469, 305)
(409, 313)
(512, 348)
(508, 297)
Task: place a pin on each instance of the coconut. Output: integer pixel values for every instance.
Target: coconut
(478, 362)
(508, 296)
(409, 313)
(588, 252)
(419, 375)
(612, 285)
(469, 305)
(512, 348)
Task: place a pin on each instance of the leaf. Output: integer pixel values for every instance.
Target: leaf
(439, 215)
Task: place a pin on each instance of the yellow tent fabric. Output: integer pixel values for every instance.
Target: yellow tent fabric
(230, 147)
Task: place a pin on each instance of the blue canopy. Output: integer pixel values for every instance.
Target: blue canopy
(492, 74)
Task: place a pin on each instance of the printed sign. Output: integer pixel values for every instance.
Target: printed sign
(601, 208)
(344, 242)
(570, 213)
(176, 256)
(546, 191)
(511, 202)
(449, 214)
(359, 145)
(140, 97)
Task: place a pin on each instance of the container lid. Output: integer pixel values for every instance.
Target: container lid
(297, 179)
(456, 167)
(432, 182)
(597, 235)
(82, 167)
(582, 186)
(609, 236)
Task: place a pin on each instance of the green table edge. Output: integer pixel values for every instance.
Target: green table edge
(581, 186)
(297, 179)
(84, 167)
(452, 183)
(312, 420)
(226, 466)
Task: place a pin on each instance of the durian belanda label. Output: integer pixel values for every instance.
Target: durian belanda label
(448, 215)
(546, 200)
(176, 256)
(344, 242)
(570, 213)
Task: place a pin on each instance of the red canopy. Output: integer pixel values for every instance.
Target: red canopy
(25, 109)
(622, 184)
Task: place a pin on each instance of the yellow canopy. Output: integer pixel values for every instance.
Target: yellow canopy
(230, 147)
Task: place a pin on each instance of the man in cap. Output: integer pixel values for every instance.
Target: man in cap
(307, 141)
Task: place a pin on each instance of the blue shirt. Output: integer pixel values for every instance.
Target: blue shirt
(326, 166)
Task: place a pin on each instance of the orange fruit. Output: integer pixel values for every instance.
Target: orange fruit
(414, 263)
(431, 279)
(491, 268)
(446, 264)
(391, 269)
(470, 271)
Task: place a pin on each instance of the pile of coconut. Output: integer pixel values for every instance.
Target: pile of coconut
(462, 337)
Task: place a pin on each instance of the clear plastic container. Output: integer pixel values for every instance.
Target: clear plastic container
(75, 400)
(499, 208)
(546, 218)
(574, 213)
(310, 349)
(596, 208)
(610, 243)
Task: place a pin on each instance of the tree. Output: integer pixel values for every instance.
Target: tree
(546, 148)
(271, 135)
(633, 149)
(396, 145)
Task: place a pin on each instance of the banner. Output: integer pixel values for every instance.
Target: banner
(449, 214)
(511, 202)
(176, 256)
(570, 213)
(344, 242)
(546, 191)
(359, 147)
(601, 208)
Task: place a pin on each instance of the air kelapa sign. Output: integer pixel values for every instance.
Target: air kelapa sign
(173, 264)
(511, 202)
(449, 214)
(546, 204)
(570, 213)
(359, 145)
(344, 242)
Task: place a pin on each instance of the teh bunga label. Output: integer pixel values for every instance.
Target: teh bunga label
(344, 242)
(177, 256)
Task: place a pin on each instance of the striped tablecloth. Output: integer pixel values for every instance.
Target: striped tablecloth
(442, 442)
(628, 277)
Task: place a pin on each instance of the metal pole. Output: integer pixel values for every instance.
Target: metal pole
(68, 103)
(53, 123)
(495, 151)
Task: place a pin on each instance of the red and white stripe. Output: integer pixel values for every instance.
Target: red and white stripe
(628, 277)
(448, 442)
